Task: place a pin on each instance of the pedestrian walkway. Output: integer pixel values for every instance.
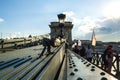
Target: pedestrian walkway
(31, 51)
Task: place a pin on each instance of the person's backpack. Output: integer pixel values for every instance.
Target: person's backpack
(55, 42)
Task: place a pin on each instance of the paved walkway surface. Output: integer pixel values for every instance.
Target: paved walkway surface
(31, 51)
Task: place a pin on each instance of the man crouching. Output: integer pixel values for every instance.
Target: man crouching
(47, 43)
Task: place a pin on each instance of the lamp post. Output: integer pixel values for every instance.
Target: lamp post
(1, 35)
(61, 18)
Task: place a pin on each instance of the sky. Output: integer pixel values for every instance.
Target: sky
(23, 17)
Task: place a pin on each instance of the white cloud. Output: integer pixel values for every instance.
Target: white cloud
(70, 16)
(82, 26)
(11, 35)
(108, 37)
(1, 20)
(104, 26)
(111, 10)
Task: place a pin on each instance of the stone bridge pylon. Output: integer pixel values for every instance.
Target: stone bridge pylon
(65, 29)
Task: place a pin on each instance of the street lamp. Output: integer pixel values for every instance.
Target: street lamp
(61, 18)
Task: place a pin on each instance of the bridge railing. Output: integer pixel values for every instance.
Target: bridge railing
(79, 68)
(51, 71)
(18, 43)
(97, 60)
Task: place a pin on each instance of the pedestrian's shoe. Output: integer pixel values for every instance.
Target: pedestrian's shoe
(47, 54)
(40, 56)
(51, 53)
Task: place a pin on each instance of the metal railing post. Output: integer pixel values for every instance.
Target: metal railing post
(97, 59)
(118, 66)
(2, 44)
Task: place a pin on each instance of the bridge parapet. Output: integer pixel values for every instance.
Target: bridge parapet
(11, 44)
(51, 71)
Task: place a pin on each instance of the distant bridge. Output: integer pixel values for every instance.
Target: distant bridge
(15, 43)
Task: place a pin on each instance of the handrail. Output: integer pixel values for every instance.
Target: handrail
(79, 68)
(14, 43)
(97, 60)
(50, 71)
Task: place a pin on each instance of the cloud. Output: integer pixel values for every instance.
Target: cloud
(1, 20)
(111, 10)
(109, 29)
(70, 16)
(82, 26)
(109, 26)
(104, 27)
(11, 35)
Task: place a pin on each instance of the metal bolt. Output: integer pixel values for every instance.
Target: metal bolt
(75, 70)
(104, 78)
(102, 73)
(82, 61)
(88, 65)
(72, 73)
(70, 64)
(79, 78)
(70, 67)
(74, 65)
(92, 69)
(93, 66)
(85, 62)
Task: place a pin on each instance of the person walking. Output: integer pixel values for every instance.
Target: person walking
(89, 53)
(107, 58)
(82, 52)
(47, 43)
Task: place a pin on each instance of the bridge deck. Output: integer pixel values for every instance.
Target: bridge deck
(79, 68)
(20, 53)
(28, 66)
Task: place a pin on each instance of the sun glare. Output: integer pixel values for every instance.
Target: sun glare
(112, 10)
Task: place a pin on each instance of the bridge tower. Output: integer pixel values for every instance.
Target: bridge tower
(65, 29)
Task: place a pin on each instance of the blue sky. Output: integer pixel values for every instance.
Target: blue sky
(24, 17)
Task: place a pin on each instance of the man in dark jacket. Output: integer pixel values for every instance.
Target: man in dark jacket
(107, 58)
(47, 44)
